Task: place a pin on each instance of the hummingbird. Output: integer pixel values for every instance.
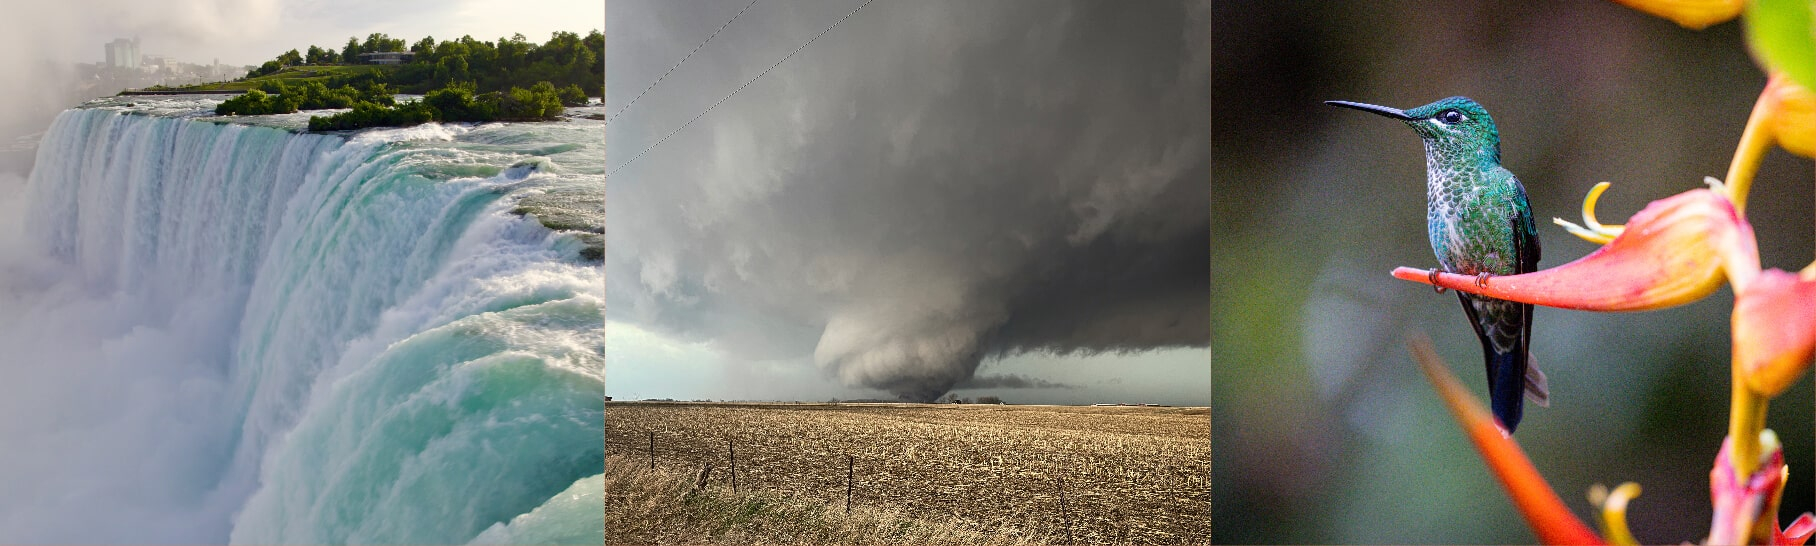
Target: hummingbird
(1480, 224)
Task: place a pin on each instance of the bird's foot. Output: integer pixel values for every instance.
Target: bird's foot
(1433, 275)
(1482, 279)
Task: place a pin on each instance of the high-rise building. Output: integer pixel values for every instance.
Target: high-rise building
(123, 53)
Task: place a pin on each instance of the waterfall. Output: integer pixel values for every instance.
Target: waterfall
(231, 332)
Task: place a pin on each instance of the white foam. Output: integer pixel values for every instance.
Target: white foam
(177, 298)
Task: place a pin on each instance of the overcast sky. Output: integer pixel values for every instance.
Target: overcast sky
(1004, 197)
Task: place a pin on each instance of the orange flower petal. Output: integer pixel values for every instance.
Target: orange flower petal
(1793, 116)
(1544, 511)
(1774, 330)
(1693, 14)
(1675, 251)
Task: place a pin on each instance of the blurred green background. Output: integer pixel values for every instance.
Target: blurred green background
(1323, 429)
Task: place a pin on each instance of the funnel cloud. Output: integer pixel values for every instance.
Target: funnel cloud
(928, 186)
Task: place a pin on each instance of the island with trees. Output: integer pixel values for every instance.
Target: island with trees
(511, 79)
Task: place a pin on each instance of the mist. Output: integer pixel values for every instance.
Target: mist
(43, 41)
(927, 187)
(111, 401)
(85, 401)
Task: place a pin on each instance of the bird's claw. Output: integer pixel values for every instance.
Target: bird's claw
(1482, 279)
(1433, 275)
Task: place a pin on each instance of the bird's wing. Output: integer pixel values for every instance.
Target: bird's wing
(1526, 253)
(1525, 234)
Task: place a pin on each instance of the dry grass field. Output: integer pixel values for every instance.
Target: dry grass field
(1130, 474)
(663, 506)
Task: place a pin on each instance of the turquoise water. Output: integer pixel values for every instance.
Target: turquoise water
(228, 330)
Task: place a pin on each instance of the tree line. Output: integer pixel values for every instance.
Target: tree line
(373, 104)
(565, 59)
(457, 102)
(461, 80)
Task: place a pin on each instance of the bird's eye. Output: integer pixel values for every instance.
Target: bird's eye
(1450, 116)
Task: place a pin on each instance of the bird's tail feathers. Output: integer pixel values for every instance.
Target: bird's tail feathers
(1537, 390)
(1507, 386)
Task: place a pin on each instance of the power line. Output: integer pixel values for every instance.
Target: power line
(703, 113)
(690, 55)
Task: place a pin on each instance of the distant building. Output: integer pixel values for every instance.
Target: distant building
(123, 53)
(386, 57)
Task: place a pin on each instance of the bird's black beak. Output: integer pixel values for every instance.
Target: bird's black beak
(1395, 113)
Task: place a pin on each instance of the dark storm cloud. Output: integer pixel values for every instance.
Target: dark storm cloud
(928, 185)
(1010, 381)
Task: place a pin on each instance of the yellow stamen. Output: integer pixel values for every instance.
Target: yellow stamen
(1613, 518)
(1595, 232)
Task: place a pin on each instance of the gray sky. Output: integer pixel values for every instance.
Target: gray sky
(932, 191)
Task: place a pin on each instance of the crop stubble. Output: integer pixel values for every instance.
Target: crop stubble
(1131, 474)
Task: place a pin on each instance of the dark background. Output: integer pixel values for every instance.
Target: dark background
(1323, 429)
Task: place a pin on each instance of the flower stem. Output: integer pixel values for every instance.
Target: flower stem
(1754, 141)
(1746, 418)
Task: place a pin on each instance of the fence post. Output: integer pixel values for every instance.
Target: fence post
(652, 450)
(734, 465)
(849, 464)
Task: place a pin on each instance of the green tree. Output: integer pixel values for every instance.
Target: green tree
(366, 114)
(561, 47)
(451, 49)
(268, 68)
(274, 87)
(256, 102)
(377, 92)
(539, 102)
(453, 69)
(350, 53)
(375, 42)
(513, 53)
(424, 49)
(316, 55)
(482, 58)
(580, 66)
(290, 58)
(595, 41)
(572, 96)
(314, 95)
(455, 103)
(380, 42)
